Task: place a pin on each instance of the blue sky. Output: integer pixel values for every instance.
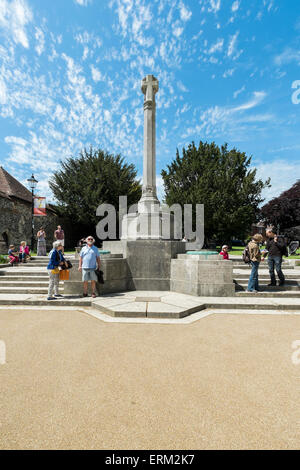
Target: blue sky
(70, 73)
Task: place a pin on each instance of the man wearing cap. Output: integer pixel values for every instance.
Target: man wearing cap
(89, 260)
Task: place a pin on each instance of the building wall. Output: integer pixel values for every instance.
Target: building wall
(15, 223)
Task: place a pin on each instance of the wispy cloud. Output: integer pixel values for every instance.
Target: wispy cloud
(14, 17)
(83, 3)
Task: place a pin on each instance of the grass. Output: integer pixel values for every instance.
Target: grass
(3, 259)
(238, 250)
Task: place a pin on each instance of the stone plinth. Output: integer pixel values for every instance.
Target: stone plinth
(194, 275)
(115, 273)
(149, 263)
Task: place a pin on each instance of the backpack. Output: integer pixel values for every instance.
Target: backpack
(246, 255)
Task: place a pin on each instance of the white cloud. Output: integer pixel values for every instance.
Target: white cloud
(96, 74)
(235, 6)
(228, 120)
(215, 5)
(228, 73)
(177, 31)
(238, 92)
(185, 13)
(83, 3)
(39, 36)
(217, 47)
(2, 92)
(231, 51)
(287, 56)
(14, 17)
(283, 175)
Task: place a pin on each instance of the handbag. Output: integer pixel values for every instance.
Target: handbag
(55, 271)
(100, 277)
(64, 275)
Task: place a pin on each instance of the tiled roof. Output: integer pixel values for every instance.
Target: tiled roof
(10, 187)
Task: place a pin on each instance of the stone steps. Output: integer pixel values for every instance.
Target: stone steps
(262, 266)
(24, 283)
(33, 277)
(276, 293)
(26, 290)
(244, 277)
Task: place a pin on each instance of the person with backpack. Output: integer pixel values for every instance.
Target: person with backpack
(276, 249)
(252, 252)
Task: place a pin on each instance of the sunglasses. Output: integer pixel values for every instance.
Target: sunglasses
(90, 239)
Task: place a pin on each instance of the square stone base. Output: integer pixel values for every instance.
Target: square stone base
(149, 262)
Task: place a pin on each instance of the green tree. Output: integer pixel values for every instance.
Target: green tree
(93, 178)
(223, 181)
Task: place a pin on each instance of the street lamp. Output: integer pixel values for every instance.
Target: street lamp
(32, 184)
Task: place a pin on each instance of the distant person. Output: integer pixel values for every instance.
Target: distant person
(55, 264)
(82, 242)
(13, 255)
(276, 248)
(184, 239)
(24, 252)
(59, 235)
(89, 259)
(255, 259)
(41, 242)
(225, 252)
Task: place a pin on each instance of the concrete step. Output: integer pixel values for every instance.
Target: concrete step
(287, 288)
(31, 277)
(282, 294)
(15, 273)
(18, 284)
(21, 300)
(262, 266)
(25, 290)
(265, 282)
(244, 276)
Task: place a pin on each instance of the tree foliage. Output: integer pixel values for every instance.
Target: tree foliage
(94, 178)
(223, 181)
(283, 210)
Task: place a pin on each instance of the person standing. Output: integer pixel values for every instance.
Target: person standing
(255, 259)
(276, 248)
(56, 261)
(89, 259)
(59, 235)
(41, 244)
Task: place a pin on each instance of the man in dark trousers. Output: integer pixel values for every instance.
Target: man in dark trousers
(276, 249)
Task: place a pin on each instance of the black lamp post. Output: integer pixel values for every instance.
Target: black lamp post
(32, 184)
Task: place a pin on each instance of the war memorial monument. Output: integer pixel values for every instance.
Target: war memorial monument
(148, 262)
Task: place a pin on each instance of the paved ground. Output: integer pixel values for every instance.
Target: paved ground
(73, 381)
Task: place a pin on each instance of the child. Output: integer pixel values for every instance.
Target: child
(24, 252)
(13, 255)
(224, 252)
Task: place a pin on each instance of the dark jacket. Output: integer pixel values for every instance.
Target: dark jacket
(275, 248)
(56, 258)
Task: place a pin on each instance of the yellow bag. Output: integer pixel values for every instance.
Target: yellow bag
(55, 271)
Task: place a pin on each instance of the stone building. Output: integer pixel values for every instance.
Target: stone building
(15, 214)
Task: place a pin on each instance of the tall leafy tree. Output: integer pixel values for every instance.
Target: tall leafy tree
(93, 178)
(284, 210)
(223, 181)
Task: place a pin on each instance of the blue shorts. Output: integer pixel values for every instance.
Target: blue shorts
(89, 275)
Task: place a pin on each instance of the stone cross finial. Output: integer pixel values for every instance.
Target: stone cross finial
(149, 87)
